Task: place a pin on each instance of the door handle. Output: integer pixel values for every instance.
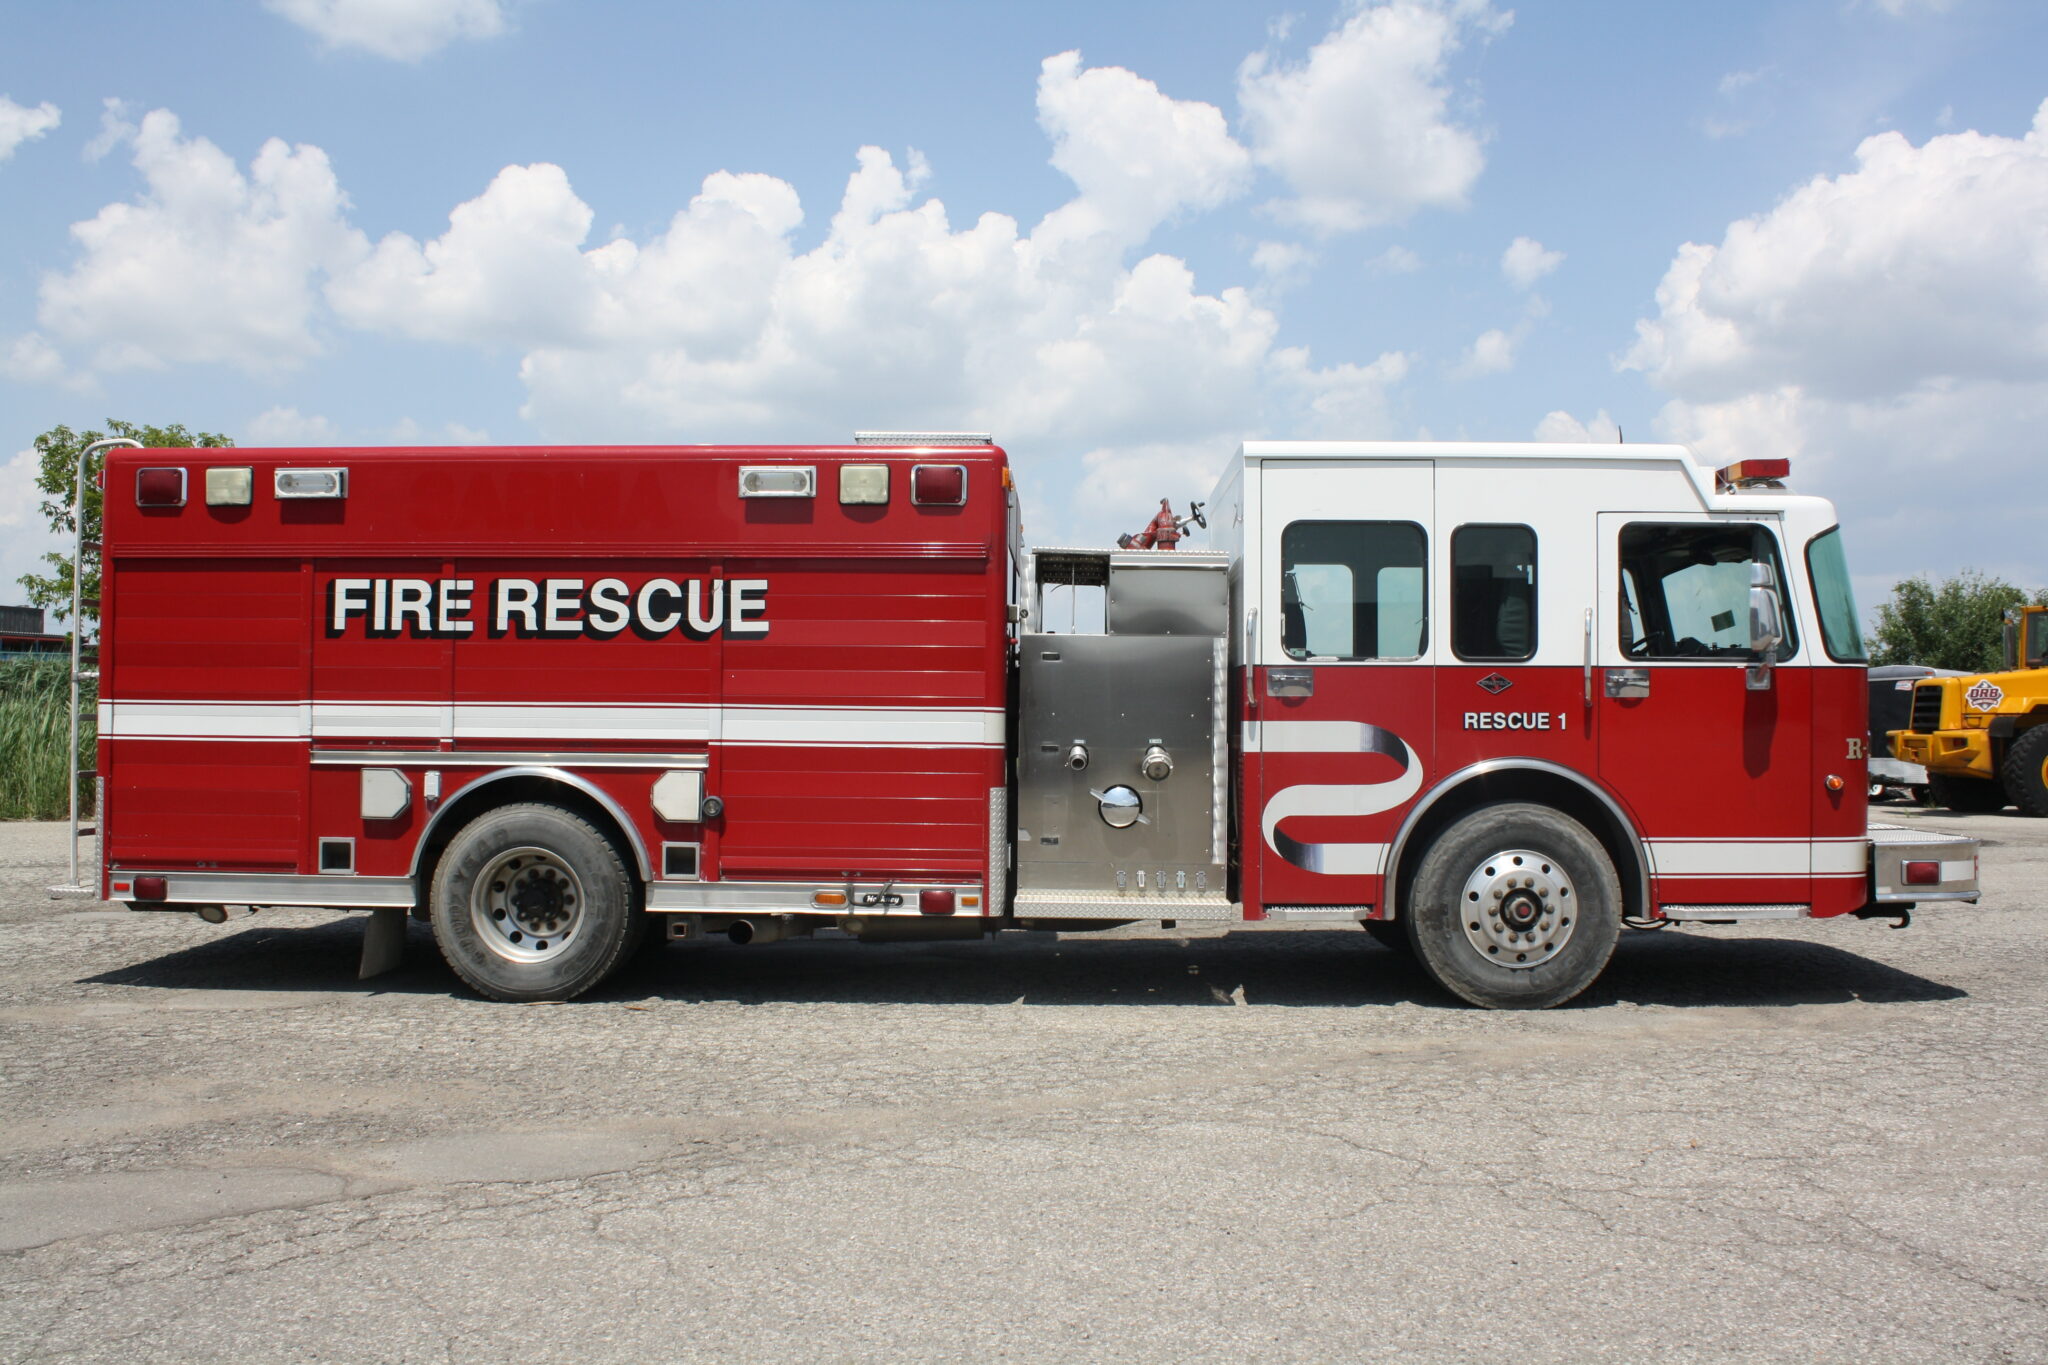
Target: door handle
(1628, 682)
(1290, 682)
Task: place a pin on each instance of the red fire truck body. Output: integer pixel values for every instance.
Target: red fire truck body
(547, 698)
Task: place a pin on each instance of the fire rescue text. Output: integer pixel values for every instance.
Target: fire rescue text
(549, 608)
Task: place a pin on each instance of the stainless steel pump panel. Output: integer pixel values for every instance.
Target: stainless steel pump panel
(1099, 713)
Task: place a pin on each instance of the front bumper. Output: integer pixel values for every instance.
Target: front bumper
(1892, 847)
(1946, 751)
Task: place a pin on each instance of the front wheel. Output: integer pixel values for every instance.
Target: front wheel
(1971, 795)
(532, 902)
(1515, 906)
(2025, 771)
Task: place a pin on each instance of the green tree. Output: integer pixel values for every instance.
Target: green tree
(59, 448)
(1956, 623)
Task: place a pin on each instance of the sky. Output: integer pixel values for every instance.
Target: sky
(1120, 237)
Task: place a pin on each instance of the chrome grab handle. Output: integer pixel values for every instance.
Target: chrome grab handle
(1589, 656)
(1628, 682)
(1290, 682)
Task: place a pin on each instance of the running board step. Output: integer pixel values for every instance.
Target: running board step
(74, 893)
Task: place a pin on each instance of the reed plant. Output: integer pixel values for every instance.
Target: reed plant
(34, 695)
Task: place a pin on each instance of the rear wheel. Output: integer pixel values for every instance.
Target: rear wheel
(532, 902)
(1515, 906)
(2025, 771)
(1972, 795)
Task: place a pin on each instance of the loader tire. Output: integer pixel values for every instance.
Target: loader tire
(2025, 772)
(1970, 795)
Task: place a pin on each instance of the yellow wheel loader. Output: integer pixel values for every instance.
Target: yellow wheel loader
(1983, 737)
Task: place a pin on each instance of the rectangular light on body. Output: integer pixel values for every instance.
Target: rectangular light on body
(863, 484)
(230, 486)
(778, 481)
(311, 483)
(938, 485)
(159, 488)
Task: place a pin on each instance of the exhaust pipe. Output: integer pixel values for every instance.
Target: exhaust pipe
(769, 929)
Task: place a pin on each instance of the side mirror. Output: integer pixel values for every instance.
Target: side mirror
(1766, 625)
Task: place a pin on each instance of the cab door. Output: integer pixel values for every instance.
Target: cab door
(1341, 688)
(1713, 771)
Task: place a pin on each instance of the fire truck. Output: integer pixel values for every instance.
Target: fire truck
(1491, 702)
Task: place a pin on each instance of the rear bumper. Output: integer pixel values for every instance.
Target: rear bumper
(1892, 847)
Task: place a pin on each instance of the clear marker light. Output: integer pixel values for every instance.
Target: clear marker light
(311, 483)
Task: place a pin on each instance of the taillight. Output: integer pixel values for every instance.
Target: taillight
(935, 902)
(149, 888)
(159, 488)
(1923, 874)
(938, 485)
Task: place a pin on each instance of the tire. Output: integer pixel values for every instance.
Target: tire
(532, 902)
(2025, 772)
(1390, 934)
(1529, 861)
(1972, 795)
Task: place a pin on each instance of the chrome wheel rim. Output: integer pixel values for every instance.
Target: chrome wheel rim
(527, 905)
(1518, 908)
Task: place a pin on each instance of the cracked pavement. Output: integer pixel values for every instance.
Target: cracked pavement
(1783, 1141)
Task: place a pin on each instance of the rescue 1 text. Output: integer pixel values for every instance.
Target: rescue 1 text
(1511, 720)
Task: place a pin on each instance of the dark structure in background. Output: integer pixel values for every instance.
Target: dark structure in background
(21, 632)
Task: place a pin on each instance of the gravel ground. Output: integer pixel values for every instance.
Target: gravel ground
(1773, 1142)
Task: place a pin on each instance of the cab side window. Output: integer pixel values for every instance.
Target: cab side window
(1493, 592)
(1353, 590)
(1685, 590)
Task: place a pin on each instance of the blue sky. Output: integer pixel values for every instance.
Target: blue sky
(1121, 237)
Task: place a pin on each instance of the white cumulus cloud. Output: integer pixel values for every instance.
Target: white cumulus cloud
(285, 426)
(1069, 337)
(1137, 156)
(1527, 261)
(1889, 327)
(207, 264)
(1562, 426)
(402, 30)
(1491, 352)
(19, 123)
(1363, 131)
(24, 534)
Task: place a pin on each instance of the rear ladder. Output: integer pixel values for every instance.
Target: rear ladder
(78, 887)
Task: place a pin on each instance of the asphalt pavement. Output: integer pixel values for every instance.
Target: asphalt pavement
(1783, 1141)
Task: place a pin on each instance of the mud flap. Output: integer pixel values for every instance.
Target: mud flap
(383, 942)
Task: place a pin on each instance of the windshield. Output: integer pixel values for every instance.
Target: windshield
(1834, 598)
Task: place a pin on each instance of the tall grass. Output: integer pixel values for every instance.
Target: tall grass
(33, 728)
